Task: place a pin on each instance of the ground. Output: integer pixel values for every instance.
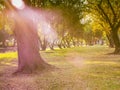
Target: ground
(80, 68)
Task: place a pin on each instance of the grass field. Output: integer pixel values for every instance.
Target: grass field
(80, 68)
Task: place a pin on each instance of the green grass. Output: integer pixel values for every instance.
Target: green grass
(8, 55)
(80, 68)
(100, 71)
(7, 58)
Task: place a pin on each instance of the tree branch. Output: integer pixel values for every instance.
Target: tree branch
(111, 8)
(107, 18)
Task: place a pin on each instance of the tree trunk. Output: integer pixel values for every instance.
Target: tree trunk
(110, 39)
(4, 44)
(116, 41)
(43, 44)
(51, 46)
(29, 58)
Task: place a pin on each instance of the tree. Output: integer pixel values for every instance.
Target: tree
(71, 10)
(25, 31)
(5, 26)
(3, 36)
(107, 10)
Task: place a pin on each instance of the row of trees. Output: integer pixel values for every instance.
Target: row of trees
(6, 32)
(108, 15)
(75, 21)
(67, 24)
(103, 13)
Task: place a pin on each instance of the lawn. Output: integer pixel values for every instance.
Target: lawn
(78, 68)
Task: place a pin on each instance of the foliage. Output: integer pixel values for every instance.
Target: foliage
(3, 35)
(101, 15)
(107, 13)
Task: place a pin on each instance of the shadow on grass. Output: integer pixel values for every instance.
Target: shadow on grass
(49, 52)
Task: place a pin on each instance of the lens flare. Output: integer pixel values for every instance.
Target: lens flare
(19, 4)
(34, 20)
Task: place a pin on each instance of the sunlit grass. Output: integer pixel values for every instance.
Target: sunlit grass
(7, 58)
(101, 62)
(79, 68)
(8, 55)
(100, 71)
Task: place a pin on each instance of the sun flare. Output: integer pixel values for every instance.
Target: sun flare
(18, 4)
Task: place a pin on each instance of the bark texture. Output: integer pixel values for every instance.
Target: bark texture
(116, 41)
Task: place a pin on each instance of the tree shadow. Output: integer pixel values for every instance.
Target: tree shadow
(112, 53)
(49, 52)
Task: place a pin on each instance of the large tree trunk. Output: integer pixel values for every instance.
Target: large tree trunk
(29, 58)
(116, 41)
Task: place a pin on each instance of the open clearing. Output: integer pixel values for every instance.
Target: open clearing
(80, 68)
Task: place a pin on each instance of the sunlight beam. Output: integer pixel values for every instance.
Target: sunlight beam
(19, 4)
